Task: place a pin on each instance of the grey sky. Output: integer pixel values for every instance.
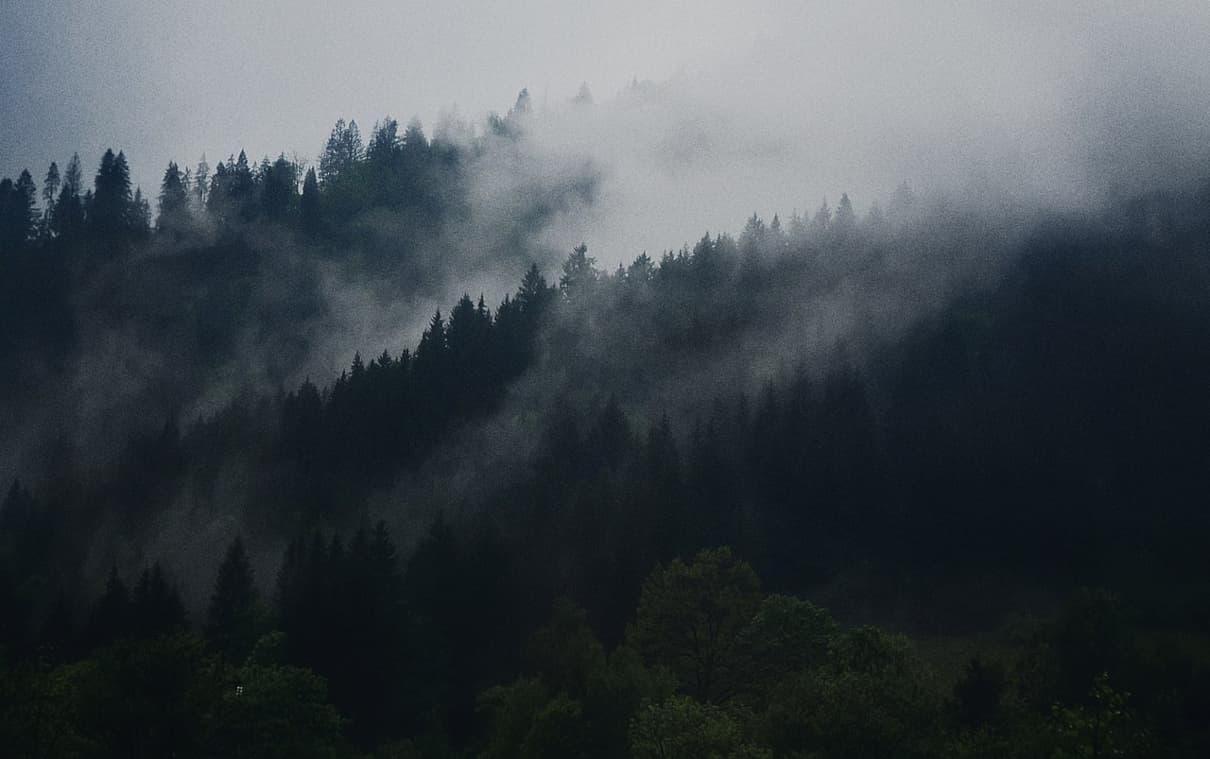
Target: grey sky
(766, 105)
(173, 78)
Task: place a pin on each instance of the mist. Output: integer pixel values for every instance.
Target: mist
(904, 305)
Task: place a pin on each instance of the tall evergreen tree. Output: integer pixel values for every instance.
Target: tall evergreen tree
(111, 616)
(279, 185)
(174, 199)
(344, 149)
(18, 219)
(232, 617)
(845, 222)
(414, 141)
(579, 272)
(384, 140)
(201, 181)
(138, 215)
(156, 606)
(109, 211)
(433, 348)
(309, 210)
(67, 220)
(50, 193)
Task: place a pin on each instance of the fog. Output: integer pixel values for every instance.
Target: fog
(1041, 106)
(701, 114)
(771, 106)
(174, 79)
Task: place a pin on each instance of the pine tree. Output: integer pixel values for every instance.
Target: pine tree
(50, 193)
(344, 149)
(821, 223)
(534, 293)
(384, 140)
(232, 619)
(414, 140)
(433, 348)
(579, 272)
(241, 187)
(201, 181)
(845, 222)
(110, 619)
(174, 199)
(109, 212)
(138, 215)
(10, 230)
(156, 606)
(18, 219)
(25, 212)
(278, 188)
(524, 105)
(216, 196)
(309, 205)
(67, 220)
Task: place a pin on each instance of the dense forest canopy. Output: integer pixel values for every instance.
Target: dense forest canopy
(582, 516)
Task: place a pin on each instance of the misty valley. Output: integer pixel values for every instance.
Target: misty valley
(366, 456)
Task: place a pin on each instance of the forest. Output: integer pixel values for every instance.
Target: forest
(923, 481)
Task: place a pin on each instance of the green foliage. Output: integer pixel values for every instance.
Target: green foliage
(873, 697)
(40, 714)
(1102, 728)
(790, 635)
(145, 697)
(691, 619)
(682, 728)
(566, 653)
(615, 693)
(521, 716)
(234, 617)
(978, 695)
(276, 711)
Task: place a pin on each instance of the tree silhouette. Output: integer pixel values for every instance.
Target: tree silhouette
(232, 618)
(309, 204)
(67, 220)
(109, 213)
(111, 616)
(156, 606)
(174, 199)
(50, 193)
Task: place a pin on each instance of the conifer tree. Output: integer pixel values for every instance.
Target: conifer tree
(50, 193)
(232, 618)
(845, 222)
(201, 181)
(109, 212)
(110, 619)
(384, 140)
(67, 220)
(174, 199)
(156, 606)
(278, 188)
(309, 204)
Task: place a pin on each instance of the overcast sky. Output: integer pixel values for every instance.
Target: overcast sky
(766, 105)
(173, 78)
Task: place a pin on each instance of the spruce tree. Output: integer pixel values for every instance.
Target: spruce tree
(308, 205)
(109, 212)
(174, 199)
(110, 619)
(50, 192)
(232, 619)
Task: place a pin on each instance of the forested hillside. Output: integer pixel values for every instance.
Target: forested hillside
(927, 480)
